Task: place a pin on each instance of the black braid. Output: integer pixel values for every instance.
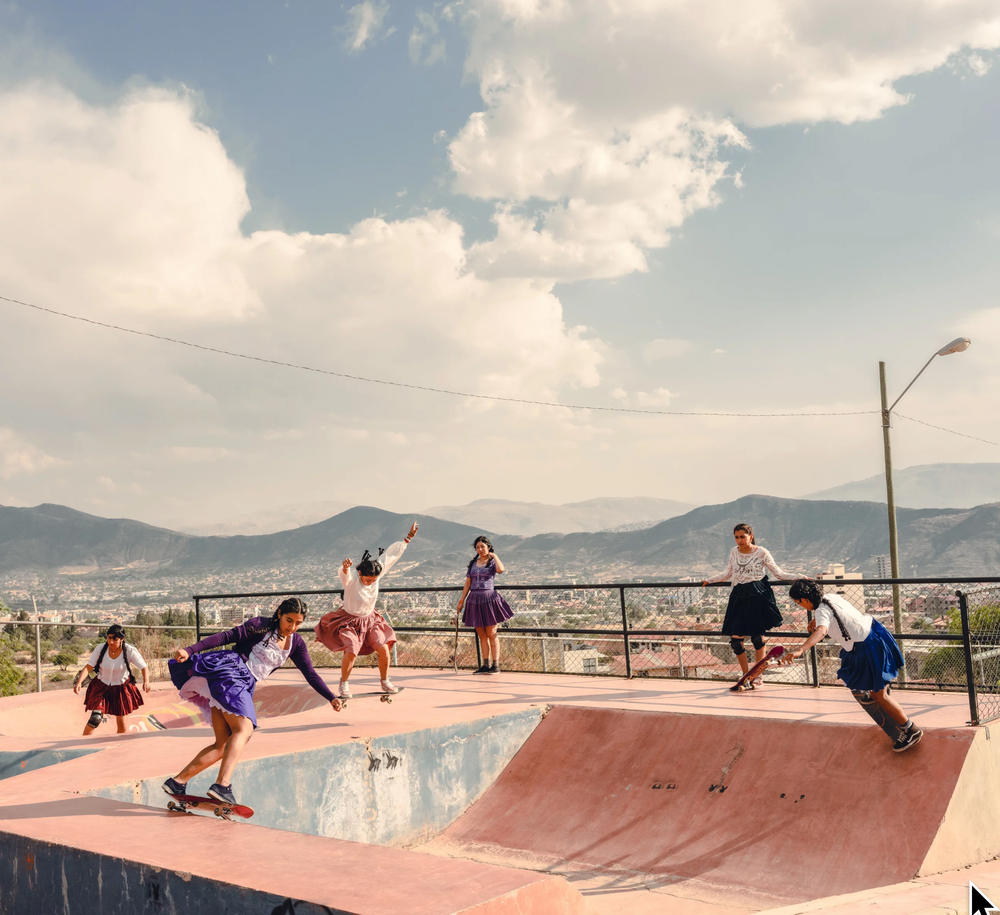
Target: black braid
(100, 658)
(840, 622)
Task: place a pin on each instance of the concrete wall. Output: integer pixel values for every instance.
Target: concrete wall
(40, 877)
(17, 762)
(398, 790)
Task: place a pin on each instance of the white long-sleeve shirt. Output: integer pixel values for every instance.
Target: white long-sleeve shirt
(746, 567)
(359, 599)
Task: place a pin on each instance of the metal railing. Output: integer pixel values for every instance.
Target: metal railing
(950, 637)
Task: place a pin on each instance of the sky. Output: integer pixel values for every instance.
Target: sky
(714, 207)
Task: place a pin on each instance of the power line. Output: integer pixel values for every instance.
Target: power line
(952, 431)
(403, 384)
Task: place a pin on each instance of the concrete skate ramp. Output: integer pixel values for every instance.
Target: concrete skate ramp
(791, 808)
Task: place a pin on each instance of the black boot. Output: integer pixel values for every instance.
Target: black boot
(484, 669)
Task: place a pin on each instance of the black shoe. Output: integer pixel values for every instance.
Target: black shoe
(909, 739)
(222, 793)
(484, 669)
(175, 788)
(493, 669)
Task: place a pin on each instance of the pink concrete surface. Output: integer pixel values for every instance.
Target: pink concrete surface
(46, 804)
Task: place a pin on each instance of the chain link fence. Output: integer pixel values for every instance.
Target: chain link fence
(948, 631)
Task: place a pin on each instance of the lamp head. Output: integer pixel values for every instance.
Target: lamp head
(959, 345)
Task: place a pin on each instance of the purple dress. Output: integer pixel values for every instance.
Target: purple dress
(483, 605)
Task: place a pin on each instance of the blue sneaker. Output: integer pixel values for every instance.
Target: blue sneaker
(222, 793)
(175, 788)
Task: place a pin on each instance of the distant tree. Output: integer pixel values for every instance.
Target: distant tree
(65, 659)
(11, 676)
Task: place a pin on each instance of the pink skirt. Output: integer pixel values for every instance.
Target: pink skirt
(118, 700)
(338, 630)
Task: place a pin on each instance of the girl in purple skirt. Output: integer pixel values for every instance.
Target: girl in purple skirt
(221, 684)
(113, 690)
(485, 609)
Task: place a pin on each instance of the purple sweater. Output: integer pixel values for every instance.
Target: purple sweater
(244, 637)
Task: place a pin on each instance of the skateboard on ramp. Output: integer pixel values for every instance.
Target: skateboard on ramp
(185, 803)
(384, 697)
(767, 661)
(877, 714)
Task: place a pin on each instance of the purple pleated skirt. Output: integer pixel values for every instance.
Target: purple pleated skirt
(485, 608)
(216, 678)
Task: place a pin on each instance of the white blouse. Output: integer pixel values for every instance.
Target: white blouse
(359, 599)
(266, 657)
(113, 671)
(747, 567)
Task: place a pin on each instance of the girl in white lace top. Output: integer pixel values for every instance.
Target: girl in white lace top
(752, 609)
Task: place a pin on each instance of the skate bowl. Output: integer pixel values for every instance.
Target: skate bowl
(474, 795)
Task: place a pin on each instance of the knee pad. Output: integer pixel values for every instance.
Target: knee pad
(96, 718)
(757, 640)
(737, 646)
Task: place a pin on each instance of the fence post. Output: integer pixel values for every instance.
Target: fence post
(38, 647)
(197, 619)
(628, 651)
(970, 674)
(812, 654)
(545, 666)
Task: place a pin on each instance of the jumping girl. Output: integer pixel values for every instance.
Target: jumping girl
(112, 691)
(357, 627)
(752, 609)
(221, 684)
(869, 656)
(485, 609)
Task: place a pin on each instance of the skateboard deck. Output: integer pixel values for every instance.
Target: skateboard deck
(184, 803)
(385, 697)
(877, 714)
(758, 668)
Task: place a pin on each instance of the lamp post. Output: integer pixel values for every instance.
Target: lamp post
(960, 345)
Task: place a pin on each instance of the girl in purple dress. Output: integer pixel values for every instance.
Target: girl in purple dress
(221, 684)
(485, 609)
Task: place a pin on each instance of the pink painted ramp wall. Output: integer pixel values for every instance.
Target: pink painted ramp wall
(797, 809)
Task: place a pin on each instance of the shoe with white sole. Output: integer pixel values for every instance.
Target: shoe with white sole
(387, 687)
(345, 690)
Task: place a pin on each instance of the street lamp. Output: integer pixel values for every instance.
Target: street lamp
(959, 345)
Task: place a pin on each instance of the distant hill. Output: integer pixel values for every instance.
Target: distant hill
(269, 521)
(804, 535)
(926, 486)
(529, 518)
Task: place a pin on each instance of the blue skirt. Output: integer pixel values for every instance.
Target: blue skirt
(485, 608)
(229, 680)
(873, 663)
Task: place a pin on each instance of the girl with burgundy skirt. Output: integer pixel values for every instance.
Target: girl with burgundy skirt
(112, 691)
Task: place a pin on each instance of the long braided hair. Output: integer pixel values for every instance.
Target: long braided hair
(115, 631)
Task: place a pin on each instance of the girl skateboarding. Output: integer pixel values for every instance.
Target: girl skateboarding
(752, 609)
(112, 691)
(357, 627)
(485, 609)
(221, 684)
(869, 656)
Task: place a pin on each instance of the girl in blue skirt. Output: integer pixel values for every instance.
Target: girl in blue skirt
(869, 656)
(752, 609)
(485, 609)
(221, 684)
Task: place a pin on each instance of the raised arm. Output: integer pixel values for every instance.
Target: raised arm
(497, 563)
(212, 641)
(725, 576)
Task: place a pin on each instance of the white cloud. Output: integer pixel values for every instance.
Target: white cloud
(19, 457)
(670, 348)
(426, 34)
(605, 124)
(364, 25)
(131, 213)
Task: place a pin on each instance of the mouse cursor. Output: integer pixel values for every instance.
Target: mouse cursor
(978, 903)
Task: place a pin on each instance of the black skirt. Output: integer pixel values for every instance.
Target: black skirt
(752, 609)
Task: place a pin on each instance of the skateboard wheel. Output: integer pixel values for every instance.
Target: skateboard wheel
(383, 698)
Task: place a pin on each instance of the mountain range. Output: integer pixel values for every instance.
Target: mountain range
(804, 535)
(925, 486)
